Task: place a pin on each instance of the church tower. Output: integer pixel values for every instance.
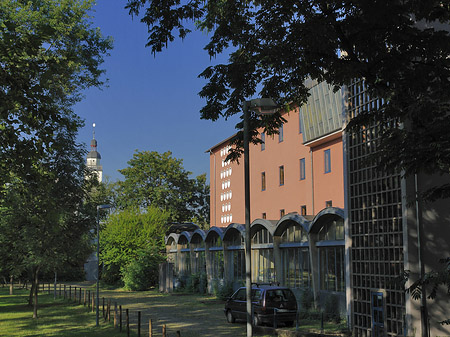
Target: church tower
(93, 158)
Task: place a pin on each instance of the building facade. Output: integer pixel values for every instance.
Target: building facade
(326, 220)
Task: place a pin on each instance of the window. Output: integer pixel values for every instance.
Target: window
(280, 133)
(263, 140)
(263, 181)
(327, 161)
(282, 213)
(302, 169)
(328, 203)
(299, 122)
(303, 210)
(264, 216)
(281, 169)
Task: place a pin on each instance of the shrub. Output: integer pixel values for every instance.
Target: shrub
(142, 273)
(332, 308)
(196, 283)
(307, 299)
(223, 290)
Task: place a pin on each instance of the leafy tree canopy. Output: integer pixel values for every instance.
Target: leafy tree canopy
(48, 53)
(160, 180)
(399, 47)
(128, 233)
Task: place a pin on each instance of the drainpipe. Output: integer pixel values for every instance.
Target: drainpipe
(423, 298)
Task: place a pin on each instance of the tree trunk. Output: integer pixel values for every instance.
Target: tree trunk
(11, 284)
(33, 286)
(35, 304)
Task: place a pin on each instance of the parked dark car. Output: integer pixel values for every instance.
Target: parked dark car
(269, 302)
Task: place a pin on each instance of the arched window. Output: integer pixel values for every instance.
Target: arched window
(295, 256)
(263, 268)
(331, 256)
(216, 257)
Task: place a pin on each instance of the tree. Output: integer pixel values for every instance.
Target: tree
(126, 235)
(42, 219)
(48, 54)
(400, 48)
(159, 180)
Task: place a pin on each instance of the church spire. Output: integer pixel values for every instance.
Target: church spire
(93, 157)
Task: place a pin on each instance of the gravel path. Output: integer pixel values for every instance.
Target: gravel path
(192, 315)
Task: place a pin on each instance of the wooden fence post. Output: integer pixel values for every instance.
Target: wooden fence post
(120, 318)
(79, 297)
(70, 293)
(103, 307)
(150, 334)
(178, 333)
(84, 297)
(64, 291)
(89, 299)
(60, 290)
(139, 324)
(115, 315)
(108, 310)
(128, 322)
(93, 302)
(164, 330)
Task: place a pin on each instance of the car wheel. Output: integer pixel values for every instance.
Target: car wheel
(230, 317)
(256, 320)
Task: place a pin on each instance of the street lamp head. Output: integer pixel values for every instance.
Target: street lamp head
(103, 206)
(263, 106)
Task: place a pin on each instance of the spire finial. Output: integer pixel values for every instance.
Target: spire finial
(93, 131)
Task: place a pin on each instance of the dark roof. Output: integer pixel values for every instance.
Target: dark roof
(178, 228)
(94, 154)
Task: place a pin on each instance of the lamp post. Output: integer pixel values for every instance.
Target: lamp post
(261, 106)
(99, 207)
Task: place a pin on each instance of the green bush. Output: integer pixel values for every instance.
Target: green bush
(196, 283)
(223, 291)
(306, 299)
(332, 308)
(142, 273)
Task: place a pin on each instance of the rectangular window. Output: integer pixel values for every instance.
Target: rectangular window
(280, 133)
(263, 140)
(263, 181)
(302, 169)
(281, 169)
(282, 213)
(264, 216)
(327, 161)
(328, 203)
(299, 121)
(303, 210)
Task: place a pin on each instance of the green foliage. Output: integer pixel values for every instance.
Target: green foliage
(159, 180)
(331, 308)
(222, 290)
(49, 53)
(196, 283)
(399, 48)
(306, 299)
(142, 273)
(432, 283)
(125, 234)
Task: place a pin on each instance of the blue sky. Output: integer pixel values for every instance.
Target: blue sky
(151, 103)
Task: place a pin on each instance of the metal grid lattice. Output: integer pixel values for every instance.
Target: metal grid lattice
(375, 225)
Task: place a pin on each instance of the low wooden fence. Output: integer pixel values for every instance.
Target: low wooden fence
(109, 310)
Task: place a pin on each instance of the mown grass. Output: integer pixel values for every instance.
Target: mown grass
(55, 317)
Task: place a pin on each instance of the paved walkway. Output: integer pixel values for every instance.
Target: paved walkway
(192, 315)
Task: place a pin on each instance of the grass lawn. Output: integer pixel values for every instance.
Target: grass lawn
(55, 317)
